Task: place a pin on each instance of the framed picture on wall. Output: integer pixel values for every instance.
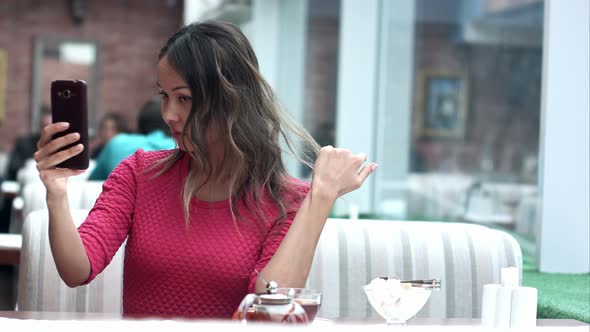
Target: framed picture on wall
(441, 104)
(3, 74)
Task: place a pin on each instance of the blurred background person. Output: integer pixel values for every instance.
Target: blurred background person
(153, 134)
(111, 124)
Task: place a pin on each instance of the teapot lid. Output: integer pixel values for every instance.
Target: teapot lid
(271, 296)
(274, 299)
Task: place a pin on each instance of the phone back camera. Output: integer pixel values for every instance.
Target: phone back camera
(67, 94)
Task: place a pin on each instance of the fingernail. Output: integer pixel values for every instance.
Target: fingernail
(374, 167)
(64, 124)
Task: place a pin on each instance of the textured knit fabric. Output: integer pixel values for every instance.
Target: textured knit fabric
(124, 145)
(171, 269)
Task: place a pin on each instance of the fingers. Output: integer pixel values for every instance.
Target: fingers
(54, 159)
(48, 131)
(55, 145)
(360, 159)
(47, 157)
(329, 151)
(346, 159)
(366, 171)
(338, 171)
(324, 151)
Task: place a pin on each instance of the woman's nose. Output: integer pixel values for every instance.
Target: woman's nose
(169, 114)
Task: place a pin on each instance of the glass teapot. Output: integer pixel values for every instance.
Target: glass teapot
(270, 307)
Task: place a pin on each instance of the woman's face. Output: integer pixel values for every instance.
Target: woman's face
(176, 106)
(176, 102)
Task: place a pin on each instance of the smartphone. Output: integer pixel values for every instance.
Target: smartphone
(69, 104)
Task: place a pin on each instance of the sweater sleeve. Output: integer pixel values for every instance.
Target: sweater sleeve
(109, 221)
(277, 232)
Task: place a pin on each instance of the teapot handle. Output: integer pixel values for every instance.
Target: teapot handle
(245, 306)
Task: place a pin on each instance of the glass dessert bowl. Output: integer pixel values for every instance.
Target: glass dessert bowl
(399, 300)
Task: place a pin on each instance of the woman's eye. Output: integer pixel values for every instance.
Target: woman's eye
(184, 99)
(163, 94)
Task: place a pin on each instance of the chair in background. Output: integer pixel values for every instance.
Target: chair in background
(29, 173)
(40, 287)
(464, 257)
(81, 195)
(10, 245)
(4, 158)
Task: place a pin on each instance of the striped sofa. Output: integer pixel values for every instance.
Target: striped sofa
(350, 253)
(81, 195)
(40, 287)
(463, 256)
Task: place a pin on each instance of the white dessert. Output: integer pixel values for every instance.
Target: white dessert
(395, 300)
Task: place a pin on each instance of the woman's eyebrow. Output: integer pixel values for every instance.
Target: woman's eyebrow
(180, 88)
(175, 88)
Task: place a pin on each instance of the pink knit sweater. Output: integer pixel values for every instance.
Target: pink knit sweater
(170, 270)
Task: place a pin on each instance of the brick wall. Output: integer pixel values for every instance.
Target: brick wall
(129, 33)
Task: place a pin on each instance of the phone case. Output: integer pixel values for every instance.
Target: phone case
(69, 104)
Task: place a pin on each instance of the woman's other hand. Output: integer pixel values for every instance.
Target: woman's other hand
(48, 156)
(338, 172)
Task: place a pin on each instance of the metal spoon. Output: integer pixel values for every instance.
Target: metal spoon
(421, 283)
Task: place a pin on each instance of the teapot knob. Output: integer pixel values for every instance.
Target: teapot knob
(271, 287)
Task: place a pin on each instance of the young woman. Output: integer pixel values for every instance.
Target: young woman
(201, 220)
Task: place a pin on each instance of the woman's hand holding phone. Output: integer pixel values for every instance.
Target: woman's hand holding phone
(48, 155)
(62, 148)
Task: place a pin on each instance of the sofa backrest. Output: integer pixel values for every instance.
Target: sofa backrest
(81, 195)
(350, 254)
(463, 256)
(40, 287)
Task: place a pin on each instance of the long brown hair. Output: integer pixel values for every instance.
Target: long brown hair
(219, 65)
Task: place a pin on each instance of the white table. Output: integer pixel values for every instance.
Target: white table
(59, 321)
